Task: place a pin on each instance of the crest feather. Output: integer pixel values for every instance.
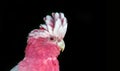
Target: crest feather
(55, 25)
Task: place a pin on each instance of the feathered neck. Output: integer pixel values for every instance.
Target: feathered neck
(41, 48)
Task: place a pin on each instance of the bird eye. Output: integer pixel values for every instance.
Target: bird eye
(52, 39)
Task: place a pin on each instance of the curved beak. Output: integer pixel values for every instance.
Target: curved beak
(61, 44)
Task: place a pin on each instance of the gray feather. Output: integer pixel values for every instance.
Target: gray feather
(14, 68)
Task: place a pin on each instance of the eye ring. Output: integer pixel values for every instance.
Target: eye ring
(52, 38)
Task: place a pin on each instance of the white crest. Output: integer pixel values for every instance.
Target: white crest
(55, 25)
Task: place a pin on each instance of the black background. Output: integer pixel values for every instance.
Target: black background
(88, 38)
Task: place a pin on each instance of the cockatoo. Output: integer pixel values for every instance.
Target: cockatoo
(44, 45)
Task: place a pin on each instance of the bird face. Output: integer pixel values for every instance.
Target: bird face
(59, 42)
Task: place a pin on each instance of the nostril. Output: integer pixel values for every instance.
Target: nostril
(59, 40)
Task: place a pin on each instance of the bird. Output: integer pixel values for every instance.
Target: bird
(44, 45)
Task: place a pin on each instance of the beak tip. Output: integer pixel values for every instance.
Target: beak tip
(61, 45)
(62, 50)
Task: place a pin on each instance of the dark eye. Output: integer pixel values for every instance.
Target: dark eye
(52, 39)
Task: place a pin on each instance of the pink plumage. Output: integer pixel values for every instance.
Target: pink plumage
(40, 56)
(44, 45)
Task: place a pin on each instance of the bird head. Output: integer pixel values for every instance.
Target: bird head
(54, 29)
